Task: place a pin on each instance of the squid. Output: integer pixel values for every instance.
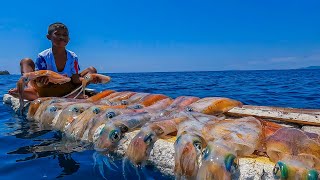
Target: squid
(295, 152)
(227, 140)
(30, 76)
(87, 79)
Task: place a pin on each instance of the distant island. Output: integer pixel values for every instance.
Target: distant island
(4, 72)
(311, 67)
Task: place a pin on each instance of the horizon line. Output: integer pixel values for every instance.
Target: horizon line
(302, 68)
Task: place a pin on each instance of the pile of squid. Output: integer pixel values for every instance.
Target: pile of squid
(208, 143)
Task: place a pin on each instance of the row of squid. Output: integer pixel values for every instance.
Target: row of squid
(207, 146)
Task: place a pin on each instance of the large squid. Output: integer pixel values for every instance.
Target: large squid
(30, 76)
(87, 79)
(227, 140)
(295, 152)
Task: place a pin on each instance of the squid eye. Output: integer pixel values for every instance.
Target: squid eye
(229, 161)
(38, 101)
(312, 175)
(96, 110)
(114, 136)
(137, 106)
(76, 110)
(198, 145)
(124, 129)
(280, 170)
(206, 153)
(26, 79)
(53, 109)
(148, 139)
(111, 114)
(189, 109)
(87, 77)
(178, 140)
(124, 102)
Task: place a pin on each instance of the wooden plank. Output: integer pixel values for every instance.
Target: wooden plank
(292, 115)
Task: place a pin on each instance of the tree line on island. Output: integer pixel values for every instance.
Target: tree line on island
(5, 72)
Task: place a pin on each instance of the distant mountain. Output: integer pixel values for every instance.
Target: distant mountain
(4, 72)
(311, 67)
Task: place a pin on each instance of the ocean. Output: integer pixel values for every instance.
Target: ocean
(26, 153)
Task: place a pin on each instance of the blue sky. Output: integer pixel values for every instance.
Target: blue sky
(167, 35)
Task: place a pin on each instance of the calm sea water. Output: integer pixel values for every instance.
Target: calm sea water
(29, 154)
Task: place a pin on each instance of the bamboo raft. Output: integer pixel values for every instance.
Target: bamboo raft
(162, 155)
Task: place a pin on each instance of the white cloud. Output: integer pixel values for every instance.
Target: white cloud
(283, 59)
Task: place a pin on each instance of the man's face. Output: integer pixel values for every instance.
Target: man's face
(59, 37)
